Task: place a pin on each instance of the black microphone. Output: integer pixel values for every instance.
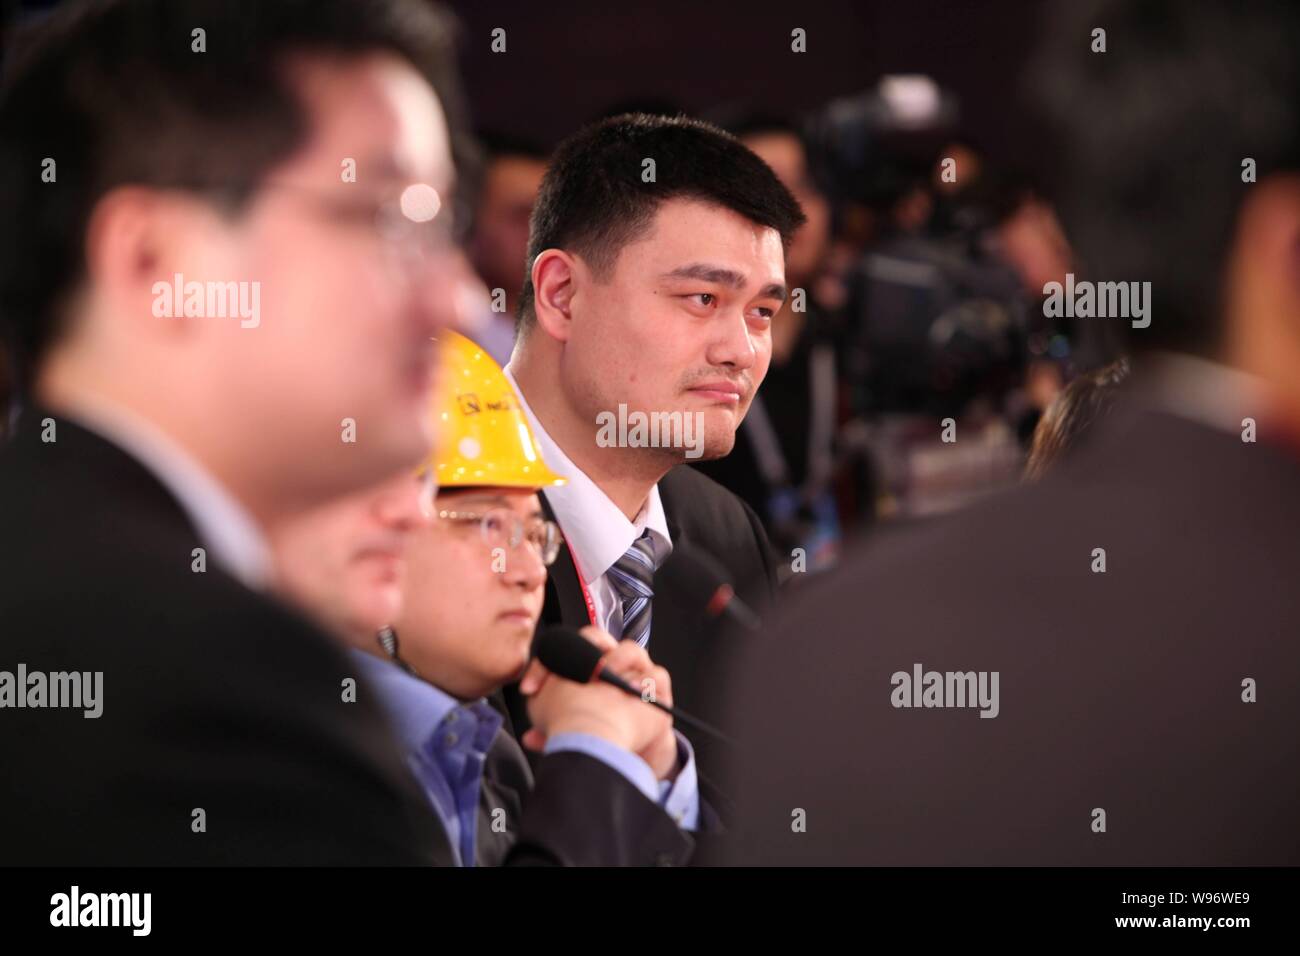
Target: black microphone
(698, 575)
(566, 653)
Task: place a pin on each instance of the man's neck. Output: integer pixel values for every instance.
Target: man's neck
(71, 389)
(622, 474)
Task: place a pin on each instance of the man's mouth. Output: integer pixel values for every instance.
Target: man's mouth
(386, 558)
(719, 391)
(517, 616)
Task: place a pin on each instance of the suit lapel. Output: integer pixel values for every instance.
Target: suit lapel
(673, 631)
(564, 601)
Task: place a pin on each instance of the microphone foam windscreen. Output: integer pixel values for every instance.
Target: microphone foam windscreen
(566, 653)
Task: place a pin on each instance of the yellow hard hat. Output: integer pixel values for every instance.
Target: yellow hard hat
(483, 436)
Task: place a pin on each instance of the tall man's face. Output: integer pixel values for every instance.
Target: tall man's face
(679, 324)
(352, 288)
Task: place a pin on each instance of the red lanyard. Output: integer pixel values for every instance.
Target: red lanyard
(586, 595)
(591, 607)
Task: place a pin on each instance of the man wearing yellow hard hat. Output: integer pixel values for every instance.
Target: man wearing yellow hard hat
(616, 783)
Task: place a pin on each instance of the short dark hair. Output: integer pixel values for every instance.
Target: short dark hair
(594, 202)
(111, 90)
(489, 146)
(1153, 133)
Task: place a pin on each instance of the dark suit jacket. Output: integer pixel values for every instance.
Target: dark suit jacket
(576, 812)
(214, 697)
(1119, 691)
(700, 510)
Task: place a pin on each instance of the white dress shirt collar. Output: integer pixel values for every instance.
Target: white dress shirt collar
(226, 530)
(597, 531)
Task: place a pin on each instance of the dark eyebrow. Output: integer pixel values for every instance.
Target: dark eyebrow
(722, 276)
(707, 273)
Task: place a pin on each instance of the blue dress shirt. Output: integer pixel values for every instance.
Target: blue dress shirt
(446, 741)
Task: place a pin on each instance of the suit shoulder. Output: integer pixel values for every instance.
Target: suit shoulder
(688, 491)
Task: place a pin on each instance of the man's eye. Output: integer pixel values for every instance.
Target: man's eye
(709, 296)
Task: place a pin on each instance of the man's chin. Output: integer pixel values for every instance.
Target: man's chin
(507, 671)
(718, 440)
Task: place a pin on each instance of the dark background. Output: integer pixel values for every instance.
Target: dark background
(566, 63)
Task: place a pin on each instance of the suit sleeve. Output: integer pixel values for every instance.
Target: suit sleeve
(582, 812)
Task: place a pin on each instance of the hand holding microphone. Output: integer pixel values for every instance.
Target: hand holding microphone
(564, 698)
(577, 657)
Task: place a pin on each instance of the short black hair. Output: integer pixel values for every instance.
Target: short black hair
(112, 91)
(593, 200)
(1152, 134)
(488, 146)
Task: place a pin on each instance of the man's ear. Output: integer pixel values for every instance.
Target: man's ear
(555, 273)
(134, 241)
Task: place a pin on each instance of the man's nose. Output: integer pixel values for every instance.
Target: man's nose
(524, 567)
(733, 345)
(448, 290)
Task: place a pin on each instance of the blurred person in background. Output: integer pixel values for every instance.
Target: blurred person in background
(784, 461)
(437, 585)
(498, 242)
(166, 425)
(933, 319)
(1135, 606)
(343, 563)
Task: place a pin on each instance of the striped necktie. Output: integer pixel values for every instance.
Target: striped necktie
(633, 578)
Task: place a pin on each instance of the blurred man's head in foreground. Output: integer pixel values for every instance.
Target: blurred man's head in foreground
(226, 218)
(498, 245)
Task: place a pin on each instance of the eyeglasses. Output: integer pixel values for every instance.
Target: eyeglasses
(502, 528)
(428, 482)
(413, 225)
